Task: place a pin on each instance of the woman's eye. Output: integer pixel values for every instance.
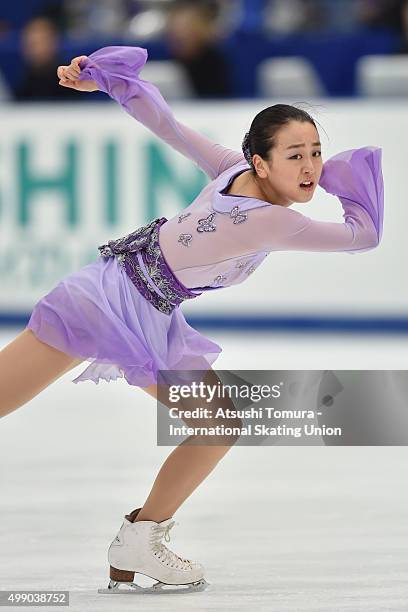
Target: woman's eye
(316, 154)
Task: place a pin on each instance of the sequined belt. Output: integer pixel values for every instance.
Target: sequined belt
(140, 255)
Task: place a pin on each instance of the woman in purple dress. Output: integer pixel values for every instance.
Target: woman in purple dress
(122, 312)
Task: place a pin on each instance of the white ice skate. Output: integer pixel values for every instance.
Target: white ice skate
(137, 549)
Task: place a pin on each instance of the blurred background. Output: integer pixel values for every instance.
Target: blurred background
(75, 171)
(228, 48)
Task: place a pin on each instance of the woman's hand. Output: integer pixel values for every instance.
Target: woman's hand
(68, 76)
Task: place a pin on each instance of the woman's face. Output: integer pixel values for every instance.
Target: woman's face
(295, 158)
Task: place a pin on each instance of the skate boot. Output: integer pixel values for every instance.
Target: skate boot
(138, 548)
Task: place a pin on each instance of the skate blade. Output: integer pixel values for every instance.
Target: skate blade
(131, 588)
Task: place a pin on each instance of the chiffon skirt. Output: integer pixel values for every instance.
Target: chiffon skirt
(98, 314)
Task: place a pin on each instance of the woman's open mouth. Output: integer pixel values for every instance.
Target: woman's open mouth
(307, 185)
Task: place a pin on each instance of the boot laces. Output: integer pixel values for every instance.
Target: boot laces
(162, 552)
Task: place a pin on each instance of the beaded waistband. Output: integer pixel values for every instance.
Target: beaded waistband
(140, 255)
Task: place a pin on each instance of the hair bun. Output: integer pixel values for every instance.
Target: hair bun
(246, 149)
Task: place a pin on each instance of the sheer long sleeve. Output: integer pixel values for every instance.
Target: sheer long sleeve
(116, 72)
(355, 177)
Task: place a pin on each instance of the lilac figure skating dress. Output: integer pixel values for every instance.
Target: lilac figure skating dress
(122, 312)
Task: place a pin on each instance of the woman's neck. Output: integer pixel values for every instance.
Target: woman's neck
(248, 186)
(244, 185)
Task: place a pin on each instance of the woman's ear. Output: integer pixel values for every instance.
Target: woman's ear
(259, 165)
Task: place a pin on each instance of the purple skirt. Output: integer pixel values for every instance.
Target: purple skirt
(99, 315)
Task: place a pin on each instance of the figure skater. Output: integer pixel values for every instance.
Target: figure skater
(122, 312)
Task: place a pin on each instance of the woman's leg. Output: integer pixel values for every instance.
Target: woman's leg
(187, 465)
(27, 366)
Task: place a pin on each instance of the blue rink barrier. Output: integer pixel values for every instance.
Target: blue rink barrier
(287, 324)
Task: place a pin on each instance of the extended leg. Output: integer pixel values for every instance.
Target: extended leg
(27, 366)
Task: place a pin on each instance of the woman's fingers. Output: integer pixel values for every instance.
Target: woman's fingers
(74, 68)
(69, 84)
(65, 75)
(77, 60)
(68, 75)
(72, 73)
(61, 71)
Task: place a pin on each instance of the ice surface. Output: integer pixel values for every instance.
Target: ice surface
(278, 528)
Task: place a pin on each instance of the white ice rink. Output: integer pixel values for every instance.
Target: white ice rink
(278, 528)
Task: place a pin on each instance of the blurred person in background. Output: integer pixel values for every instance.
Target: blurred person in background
(96, 17)
(39, 47)
(192, 37)
(341, 15)
(288, 16)
(404, 21)
(381, 14)
(390, 14)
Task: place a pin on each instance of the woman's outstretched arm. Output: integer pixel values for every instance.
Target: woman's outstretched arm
(115, 71)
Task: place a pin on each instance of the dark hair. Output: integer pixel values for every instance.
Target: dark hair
(261, 136)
